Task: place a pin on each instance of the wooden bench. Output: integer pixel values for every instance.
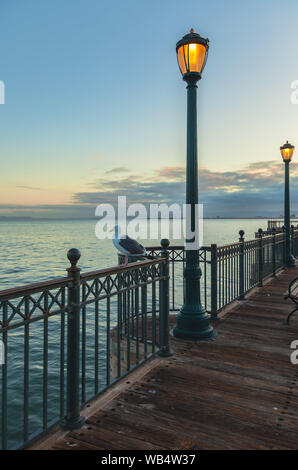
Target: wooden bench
(292, 295)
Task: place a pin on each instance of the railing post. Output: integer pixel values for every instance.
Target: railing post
(4, 378)
(292, 239)
(273, 252)
(213, 261)
(164, 310)
(260, 257)
(241, 266)
(284, 245)
(73, 419)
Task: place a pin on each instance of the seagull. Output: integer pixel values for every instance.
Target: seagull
(128, 246)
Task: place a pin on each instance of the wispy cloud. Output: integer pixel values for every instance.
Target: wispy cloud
(51, 211)
(31, 188)
(171, 172)
(120, 169)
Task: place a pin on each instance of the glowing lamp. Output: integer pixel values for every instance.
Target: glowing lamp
(192, 52)
(287, 151)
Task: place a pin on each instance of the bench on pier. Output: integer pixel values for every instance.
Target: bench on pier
(292, 295)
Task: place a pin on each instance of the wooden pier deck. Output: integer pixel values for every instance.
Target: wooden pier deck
(236, 392)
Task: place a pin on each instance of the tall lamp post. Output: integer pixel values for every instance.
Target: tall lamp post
(287, 151)
(192, 321)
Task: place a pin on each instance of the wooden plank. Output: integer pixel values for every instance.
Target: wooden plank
(57, 434)
(236, 392)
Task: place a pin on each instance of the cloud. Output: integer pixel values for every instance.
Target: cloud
(256, 189)
(135, 191)
(49, 211)
(255, 176)
(171, 172)
(120, 169)
(31, 188)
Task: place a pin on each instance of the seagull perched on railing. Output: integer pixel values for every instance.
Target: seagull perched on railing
(128, 246)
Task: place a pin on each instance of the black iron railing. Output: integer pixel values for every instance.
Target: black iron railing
(294, 241)
(229, 271)
(176, 266)
(67, 340)
(238, 267)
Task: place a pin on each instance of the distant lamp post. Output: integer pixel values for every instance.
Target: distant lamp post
(287, 151)
(192, 321)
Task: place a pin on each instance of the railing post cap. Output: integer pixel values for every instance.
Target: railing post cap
(292, 226)
(73, 255)
(260, 231)
(241, 233)
(165, 243)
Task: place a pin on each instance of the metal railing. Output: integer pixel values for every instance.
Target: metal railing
(229, 271)
(278, 223)
(69, 339)
(239, 267)
(65, 341)
(176, 267)
(294, 241)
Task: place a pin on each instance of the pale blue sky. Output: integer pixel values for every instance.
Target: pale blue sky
(93, 85)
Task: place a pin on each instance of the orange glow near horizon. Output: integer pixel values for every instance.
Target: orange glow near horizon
(29, 196)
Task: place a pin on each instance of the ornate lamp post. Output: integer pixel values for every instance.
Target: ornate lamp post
(287, 151)
(192, 321)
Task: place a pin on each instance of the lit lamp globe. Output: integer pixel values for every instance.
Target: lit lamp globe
(287, 151)
(192, 52)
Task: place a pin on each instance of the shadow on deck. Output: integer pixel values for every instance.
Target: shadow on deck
(236, 392)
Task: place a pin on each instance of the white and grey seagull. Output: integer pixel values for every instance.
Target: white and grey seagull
(128, 246)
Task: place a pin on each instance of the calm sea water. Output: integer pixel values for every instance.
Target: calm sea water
(36, 251)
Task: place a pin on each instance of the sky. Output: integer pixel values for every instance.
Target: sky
(95, 105)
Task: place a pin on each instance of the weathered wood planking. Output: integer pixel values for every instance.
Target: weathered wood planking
(236, 392)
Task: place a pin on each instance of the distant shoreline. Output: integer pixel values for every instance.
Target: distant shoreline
(48, 219)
